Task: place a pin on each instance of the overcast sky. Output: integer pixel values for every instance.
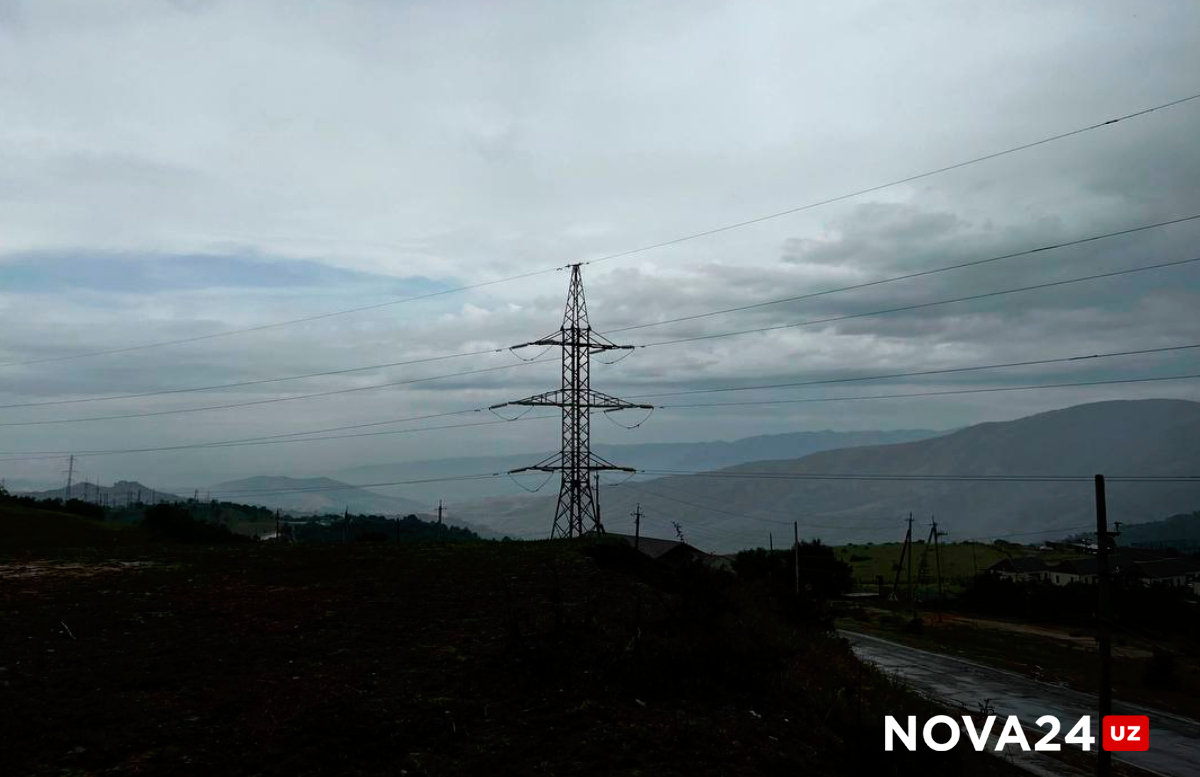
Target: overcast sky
(176, 169)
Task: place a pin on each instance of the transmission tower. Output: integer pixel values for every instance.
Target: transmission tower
(578, 510)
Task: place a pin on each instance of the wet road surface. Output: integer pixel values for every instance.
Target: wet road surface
(1174, 740)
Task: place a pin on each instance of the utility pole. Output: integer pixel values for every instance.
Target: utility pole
(796, 553)
(278, 536)
(937, 556)
(70, 474)
(904, 551)
(439, 523)
(577, 512)
(912, 602)
(771, 541)
(1104, 542)
(345, 523)
(637, 526)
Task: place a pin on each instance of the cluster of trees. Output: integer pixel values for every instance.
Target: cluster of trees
(822, 574)
(375, 528)
(176, 523)
(1157, 609)
(773, 574)
(71, 506)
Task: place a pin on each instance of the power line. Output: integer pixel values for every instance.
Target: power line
(303, 436)
(675, 341)
(277, 324)
(946, 371)
(313, 489)
(274, 440)
(223, 443)
(922, 305)
(743, 515)
(930, 393)
(946, 478)
(889, 184)
(907, 276)
(444, 357)
(258, 382)
(630, 252)
(273, 400)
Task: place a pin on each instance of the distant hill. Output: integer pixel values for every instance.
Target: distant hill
(312, 496)
(1181, 531)
(689, 455)
(119, 493)
(1123, 437)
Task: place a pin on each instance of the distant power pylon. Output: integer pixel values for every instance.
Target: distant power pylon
(578, 510)
(70, 475)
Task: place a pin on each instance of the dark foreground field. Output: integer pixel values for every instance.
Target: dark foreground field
(391, 659)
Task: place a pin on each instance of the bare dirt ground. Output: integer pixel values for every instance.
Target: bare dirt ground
(45, 569)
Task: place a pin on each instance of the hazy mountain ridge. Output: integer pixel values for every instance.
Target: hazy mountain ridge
(334, 496)
(1121, 437)
(118, 493)
(689, 455)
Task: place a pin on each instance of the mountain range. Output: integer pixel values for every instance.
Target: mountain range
(312, 496)
(119, 493)
(686, 455)
(744, 505)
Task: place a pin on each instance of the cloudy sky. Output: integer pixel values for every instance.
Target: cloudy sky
(172, 170)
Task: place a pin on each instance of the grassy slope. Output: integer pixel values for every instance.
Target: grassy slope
(487, 658)
(959, 561)
(23, 528)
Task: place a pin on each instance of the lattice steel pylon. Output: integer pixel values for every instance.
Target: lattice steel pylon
(578, 510)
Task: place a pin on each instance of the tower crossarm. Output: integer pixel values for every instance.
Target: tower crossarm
(595, 400)
(577, 339)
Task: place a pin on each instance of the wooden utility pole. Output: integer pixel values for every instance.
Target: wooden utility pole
(912, 602)
(937, 560)
(439, 523)
(796, 553)
(637, 526)
(937, 556)
(1103, 635)
(345, 522)
(771, 541)
(905, 550)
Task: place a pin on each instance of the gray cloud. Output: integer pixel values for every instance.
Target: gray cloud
(172, 170)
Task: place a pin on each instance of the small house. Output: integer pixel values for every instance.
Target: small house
(1019, 568)
(1169, 572)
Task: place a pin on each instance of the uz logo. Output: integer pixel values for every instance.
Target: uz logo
(1126, 732)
